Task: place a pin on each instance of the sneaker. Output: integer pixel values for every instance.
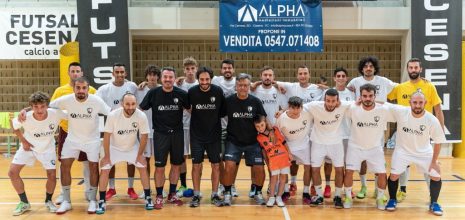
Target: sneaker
(21, 208)
(195, 202)
(216, 200)
(306, 199)
(234, 191)
(221, 190)
(279, 201)
(110, 194)
(227, 200)
(51, 207)
(312, 191)
(92, 207)
(363, 193)
(252, 193)
(391, 205)
(59, 199)
(271, 201)
(401, 196)
(435, 208)
(381, 204)
(259, 199)
(158, 202)
(285, 197)
(180, 191)
(327, 193)
(132, 194)
(173, 199)
(292, 189)
(316, 201)
(149, 203)
(347, 203)
(338, 202)
(102, 207)
(64, 207)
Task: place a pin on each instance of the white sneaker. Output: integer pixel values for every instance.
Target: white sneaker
(59, 199)
(271, 201)
(64, 207)
(51, 207)
(279, 201)
(92, 207)
(234, 192)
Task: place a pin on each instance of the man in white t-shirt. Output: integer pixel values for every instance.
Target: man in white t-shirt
(37, 143)
(365, 142)
(83, 135)
(111, 94)
(369, 69)
(121, 144)
(326, 140)
(295, 125)
(415, 130)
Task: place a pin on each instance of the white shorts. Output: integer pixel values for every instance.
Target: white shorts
(376, 162)
(47, 159)
(187, 140)
(345, 142)
(71, 150)
(117, 156)
(335, 152)
(148, 151)
(286, 170)
(401, 160)
(302, 157)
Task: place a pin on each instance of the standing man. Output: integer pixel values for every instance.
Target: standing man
(415, 130)
(242, 108)
(121, 144)
(167, 103)
(402, 93)
(208, 107)
(111, 94)
(83, 109)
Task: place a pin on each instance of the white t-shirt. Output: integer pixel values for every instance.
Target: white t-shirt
(112, 94)
(347, 96)
(367, 127)
(296, 131)
(326, 125)
(125, 130)
(140, 94)
(83, 119)
(383, 86)
(414, 135)
(229, 88)
(271, 99)
(308, 94)
(40, 133)
(186, 116)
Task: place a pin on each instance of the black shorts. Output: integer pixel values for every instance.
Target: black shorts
(252, 153)
(168, 143)
(198, 150)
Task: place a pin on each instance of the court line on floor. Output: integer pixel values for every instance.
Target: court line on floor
(286, 214)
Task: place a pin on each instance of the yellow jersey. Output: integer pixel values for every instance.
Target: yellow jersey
(403, 92)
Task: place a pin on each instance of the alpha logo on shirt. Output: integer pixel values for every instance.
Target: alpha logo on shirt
(205, 106)
(168, 107)
(367, 124)
(331, 121)
(268, 101)
(44, 134)
(242, 114)
(212, 99)
(51, 126)
(82, 116)
(297, 130)
(414, 131)
(127, 131)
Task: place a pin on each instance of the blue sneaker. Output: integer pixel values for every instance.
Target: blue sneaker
(391, 205)
(188, 193)
(435, 208)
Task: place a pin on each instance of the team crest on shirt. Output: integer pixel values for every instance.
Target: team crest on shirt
(51, 126)
(89, 110)
(347, 98)
(116, 102)
(377, 118)
(175, 100)
(249, 108)
(422, 127)
(212, 99)
(135, 124)
(337, 116)
(52, 162)
(304, 122)
(312, 95)
(275, 95)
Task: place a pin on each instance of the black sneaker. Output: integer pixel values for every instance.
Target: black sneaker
(195, 202)
(216, 200)
(338, 202)
(316, 201)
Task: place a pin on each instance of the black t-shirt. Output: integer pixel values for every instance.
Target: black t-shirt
(241, 129)
(207, 110)
(167, 108)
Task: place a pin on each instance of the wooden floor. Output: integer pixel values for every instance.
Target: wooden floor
(452, 199)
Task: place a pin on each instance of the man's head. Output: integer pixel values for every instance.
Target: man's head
(414, 68)
(368, 66)
(168, 75)
(295, 105)
(267, 75)
(331, 99)
(260, 123)
(39, 103)
(190, 67)
(227, 68)
(152, 73)
(303, 75)
(129, 103)
(368, 94)
(81, 88)
(119, 73)
(418, 102)
(340, 76)
(74, 70)
(243, 84)
(205, 76)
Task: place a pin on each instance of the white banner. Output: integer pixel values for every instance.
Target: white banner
(36, 33)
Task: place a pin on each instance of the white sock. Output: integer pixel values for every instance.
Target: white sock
(130, 182)
(286, 187)
(338, 192)
(380, 194)
(319, 190)
(111, 183)
(306, 189)
(293, 179)
(328, 182)
(86, 174)
(348, 191)
(363, 180)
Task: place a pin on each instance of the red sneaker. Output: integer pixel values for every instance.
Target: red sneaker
(158, 202)
(110, 194)
(132, 194)
(292, 189)
(173, 199)
(306, 200)
(327, 193)
(312, 191)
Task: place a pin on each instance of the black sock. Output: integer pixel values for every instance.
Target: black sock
(173, 188)
(146, 193)
(182, 177)
(23, 197)
(258, 189)
(227, 189)
(306, 195)
(434, 190)
(403, 189)
(48, 196)
(103, 194)
(252, 187)
(392, 186)
(160, 191)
